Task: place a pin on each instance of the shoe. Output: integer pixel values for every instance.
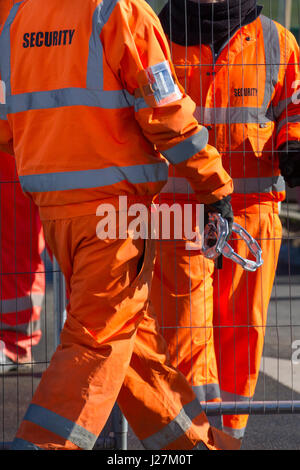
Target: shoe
(8, 366)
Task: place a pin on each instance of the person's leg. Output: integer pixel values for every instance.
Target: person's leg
(158, 401)
(106, 303)
(241, 302)
(182, 296)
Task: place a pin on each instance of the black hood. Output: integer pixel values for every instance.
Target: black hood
(189, 23)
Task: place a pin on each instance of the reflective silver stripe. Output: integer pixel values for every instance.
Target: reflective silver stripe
(215, 421)
(187, 148)
(177, 185)
(207, 392)
(26, 328)
(94, 77)
(227, 396)
(237, 433)
(114, 99)
(272, 57)
(288, 120)
(61, 426)
(21, 444)
(237, 115)
(140, 103)
(175, 429)
(19, 304)
(135, 174)
(281, 106)
(258, 185)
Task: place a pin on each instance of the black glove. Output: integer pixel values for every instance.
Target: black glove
(289, 163)
(222, 207)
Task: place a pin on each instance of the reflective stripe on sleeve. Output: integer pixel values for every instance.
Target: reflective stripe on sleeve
(61, 426)
(187, 148)
(19, 304)
(281, 106)
(290, 119)
(175, 429)
(62, 181)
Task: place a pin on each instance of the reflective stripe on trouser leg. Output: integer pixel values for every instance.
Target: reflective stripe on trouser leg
(159, 403)
(107, 301)
(241, 302)
(207, 393)
(182, 297)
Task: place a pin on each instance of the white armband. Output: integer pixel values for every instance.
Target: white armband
(157, 85)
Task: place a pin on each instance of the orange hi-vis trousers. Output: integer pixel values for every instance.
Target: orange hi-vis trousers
(110, 349)
(241, 301)
(182, 296)
(214, 320)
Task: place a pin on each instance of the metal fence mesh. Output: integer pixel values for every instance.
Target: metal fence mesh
(278, 388)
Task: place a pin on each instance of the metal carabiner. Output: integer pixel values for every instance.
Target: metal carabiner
(215, 243)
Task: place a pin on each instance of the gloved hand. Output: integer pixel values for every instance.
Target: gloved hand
(222, 207)
(289, 163)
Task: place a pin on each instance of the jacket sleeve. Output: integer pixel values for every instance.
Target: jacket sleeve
(286, 101)
(133, 40)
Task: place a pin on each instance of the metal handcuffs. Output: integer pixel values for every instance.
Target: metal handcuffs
(215, 243)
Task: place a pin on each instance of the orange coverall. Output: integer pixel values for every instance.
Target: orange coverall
(83, 135)
(214, 320)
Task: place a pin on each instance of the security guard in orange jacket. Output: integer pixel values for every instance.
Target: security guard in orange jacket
(94, 112)
(244, 81)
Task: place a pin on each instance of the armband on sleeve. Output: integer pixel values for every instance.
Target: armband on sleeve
(157, 86)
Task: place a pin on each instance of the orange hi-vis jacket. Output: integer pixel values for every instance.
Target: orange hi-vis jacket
(75, 72)
(255, 113)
